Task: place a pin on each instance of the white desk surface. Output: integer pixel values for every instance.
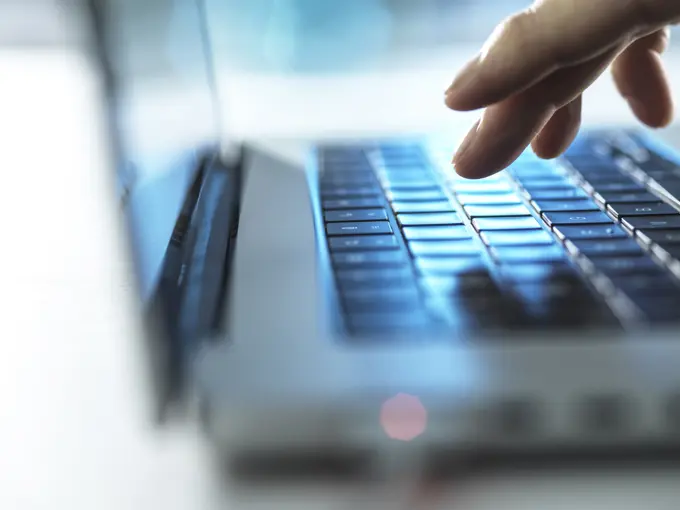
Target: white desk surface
(74, 432)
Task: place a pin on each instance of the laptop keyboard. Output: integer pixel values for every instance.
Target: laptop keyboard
(591, 240)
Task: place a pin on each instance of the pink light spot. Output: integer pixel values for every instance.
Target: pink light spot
(403, 417)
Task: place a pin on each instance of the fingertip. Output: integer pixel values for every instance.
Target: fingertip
(460, 102)
(468, 169)
(560, 131)
(458, 95)
(641, 79)
(655, 117)
(544, 151)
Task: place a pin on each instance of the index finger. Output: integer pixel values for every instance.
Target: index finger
(552, 34)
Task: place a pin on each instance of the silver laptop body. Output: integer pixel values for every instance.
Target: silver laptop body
(273, 374)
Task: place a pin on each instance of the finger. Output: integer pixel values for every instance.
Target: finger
(640, 77)
(560, 131)
(507, 128)
(492, 145)
(553, 34)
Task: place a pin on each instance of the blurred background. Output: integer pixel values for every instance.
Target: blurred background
(324, 36)
(387, 61)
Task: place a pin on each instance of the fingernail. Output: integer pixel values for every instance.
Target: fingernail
(466, 143)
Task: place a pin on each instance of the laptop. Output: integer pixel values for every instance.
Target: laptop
(376, 299)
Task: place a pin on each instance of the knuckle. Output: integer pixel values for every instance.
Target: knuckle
(517, 32)
(529, 33)
(519, 26)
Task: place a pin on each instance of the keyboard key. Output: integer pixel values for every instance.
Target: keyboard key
(451, 266)
(651, 222)
(608, 247)
(536, 172)
(436, 233)
(564, 304)
(626, 198)
(594, 178)
(488, 199)
(537, 272)
(411, 168)
(347, 179)
(647, 284)
(597, 166)
(519, 255)
(401, 149)
(405, 173)
(660, 236)
(611, 231)
(355, 278)
(394, 258)
(623, 265)
(411, 164)
(356, 215)
(349, 192)
(358, 228)
(377, 242)
(342, 153)
(411, 185)
(623, 143)
(656, 164)
(664, 175)
(416, 195)
(480, 211)
(576, 218)
(670, 186)
(540, 293)
(559, 194)
(546, 184)
(384, 299)
(619, 187)
(352, 203)
(500, 177)
(565, 205)
(517, 238)
(493, 310)
(658, 309)
(339, 153)
(644, 209)
(466, 285)
(518, 223)
(422, 207)
(545, 176)
(460, 248)
(481, 187)
(337, 164)
(407, 220)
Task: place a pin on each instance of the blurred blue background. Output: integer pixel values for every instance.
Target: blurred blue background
(343, 35)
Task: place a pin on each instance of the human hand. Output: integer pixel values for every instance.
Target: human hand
(530, 74)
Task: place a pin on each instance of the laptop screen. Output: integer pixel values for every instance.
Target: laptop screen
(163, 113)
